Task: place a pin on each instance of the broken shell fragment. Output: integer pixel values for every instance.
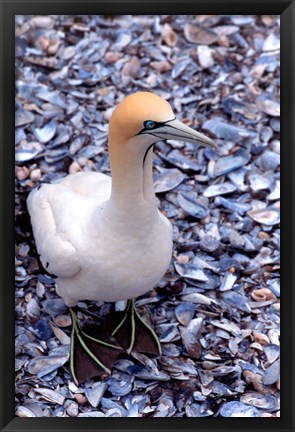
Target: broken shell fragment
(191, 206)
(199, 35)
(267, 216)
(46, 133)
(23, 117)
(272, 374)
(25, 155)
(238, 409)
(268, 106)
(50, 395)
(196, 298)
(191, 271)
(185, 312)
(219, 189)
(228, 281)
(226, 131)
(168, 179)
(226, 164)
(254, 399)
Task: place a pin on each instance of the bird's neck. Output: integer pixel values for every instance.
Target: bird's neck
(132, 180)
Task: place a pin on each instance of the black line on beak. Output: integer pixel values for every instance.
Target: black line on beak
(192, 137)
(181, 137)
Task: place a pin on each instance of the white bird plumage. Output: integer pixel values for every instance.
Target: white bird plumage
(104, 238)
(96, 252)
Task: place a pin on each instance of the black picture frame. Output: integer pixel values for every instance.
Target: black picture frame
(10, 8)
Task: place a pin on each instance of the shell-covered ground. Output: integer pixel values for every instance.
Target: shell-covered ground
(217, 310)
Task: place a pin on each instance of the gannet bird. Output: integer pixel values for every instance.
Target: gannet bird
(104, 238)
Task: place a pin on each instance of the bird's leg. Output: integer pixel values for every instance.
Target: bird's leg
(123, 320)
(137, 321)
(78, 335)
(153, 333)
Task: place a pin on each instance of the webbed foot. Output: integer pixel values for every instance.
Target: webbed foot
(93, 352)
(135, 334)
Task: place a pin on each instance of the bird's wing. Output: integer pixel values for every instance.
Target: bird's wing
(57, 254)
(92, 184)
(167, 222)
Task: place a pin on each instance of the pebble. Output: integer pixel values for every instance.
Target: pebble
(22, 173)
(205, 57)
(81, 399)
(73, 409)
(74, 168)
(35, 175)
(42, 22)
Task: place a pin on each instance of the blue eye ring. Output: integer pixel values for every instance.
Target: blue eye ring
(149, 124)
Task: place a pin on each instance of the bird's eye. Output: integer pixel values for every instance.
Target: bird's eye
(149, 124)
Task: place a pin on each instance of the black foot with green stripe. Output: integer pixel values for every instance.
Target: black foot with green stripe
(135, 334)
(93, 352)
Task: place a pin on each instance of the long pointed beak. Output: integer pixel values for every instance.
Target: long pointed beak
(176, 130)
